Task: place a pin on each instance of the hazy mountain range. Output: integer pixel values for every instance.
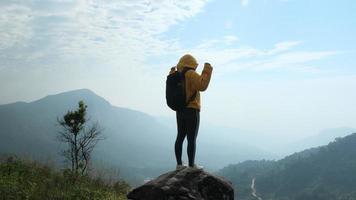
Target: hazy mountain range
(140, 144)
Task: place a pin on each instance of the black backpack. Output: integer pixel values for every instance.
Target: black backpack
(175, 90)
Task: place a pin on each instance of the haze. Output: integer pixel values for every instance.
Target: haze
(281, 67)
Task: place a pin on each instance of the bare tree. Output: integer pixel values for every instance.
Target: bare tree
(80, 141)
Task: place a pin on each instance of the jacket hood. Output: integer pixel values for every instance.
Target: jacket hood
(187, 61)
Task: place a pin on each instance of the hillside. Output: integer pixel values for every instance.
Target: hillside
(139, 144)
(30, 129)
(23, 179)
(327, 172)
(319, 139)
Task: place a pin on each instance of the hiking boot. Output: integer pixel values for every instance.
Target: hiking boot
(195, 166)
(179, 167)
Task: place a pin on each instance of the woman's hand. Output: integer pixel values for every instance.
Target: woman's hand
(207, 65)
(208, 69)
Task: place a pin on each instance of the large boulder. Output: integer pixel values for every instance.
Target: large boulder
(185, 184)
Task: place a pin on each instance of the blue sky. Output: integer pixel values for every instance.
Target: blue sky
(263, 23)
(280, 66)
(317, 25)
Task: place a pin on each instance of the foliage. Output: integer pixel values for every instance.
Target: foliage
(327, 172)
(80, 142)
(27, 180)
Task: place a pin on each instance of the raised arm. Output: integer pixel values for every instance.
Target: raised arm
(201, 82)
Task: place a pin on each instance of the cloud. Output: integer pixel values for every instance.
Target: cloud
(108, 46)
(230, 39)
(295, 60)
(284, 46)
(118, 34)
(244, 2)
(58, 45)
(231, 57)
(61, 31)
(13, 23)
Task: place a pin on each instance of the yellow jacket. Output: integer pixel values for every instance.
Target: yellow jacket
(194, 82)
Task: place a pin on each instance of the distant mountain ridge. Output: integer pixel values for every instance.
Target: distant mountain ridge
(322, 138)
(136, 142)
(326, 172)
(30, 129)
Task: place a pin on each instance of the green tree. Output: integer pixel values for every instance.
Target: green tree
(80, 140)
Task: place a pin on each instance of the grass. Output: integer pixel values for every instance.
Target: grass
(20, 179)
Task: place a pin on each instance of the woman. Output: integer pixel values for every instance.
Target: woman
(188, 118)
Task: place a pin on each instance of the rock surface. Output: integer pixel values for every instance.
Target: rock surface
(185, 184)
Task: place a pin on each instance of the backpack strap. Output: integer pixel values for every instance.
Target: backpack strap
(185, 70)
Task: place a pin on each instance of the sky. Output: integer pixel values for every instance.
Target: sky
(281, 67)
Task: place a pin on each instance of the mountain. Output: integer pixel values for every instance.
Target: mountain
(249, 144)
(219, 146)
(138, 143)
(134, 139)
(326, 172)
(321, 138)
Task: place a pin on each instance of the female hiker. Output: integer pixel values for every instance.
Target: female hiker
(188, 117)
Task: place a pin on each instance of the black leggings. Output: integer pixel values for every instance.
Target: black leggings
(187, 125)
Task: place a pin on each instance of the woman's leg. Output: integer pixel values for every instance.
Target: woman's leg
(192, 133)
(181, 133)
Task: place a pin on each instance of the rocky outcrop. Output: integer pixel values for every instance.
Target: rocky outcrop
(185, 184)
